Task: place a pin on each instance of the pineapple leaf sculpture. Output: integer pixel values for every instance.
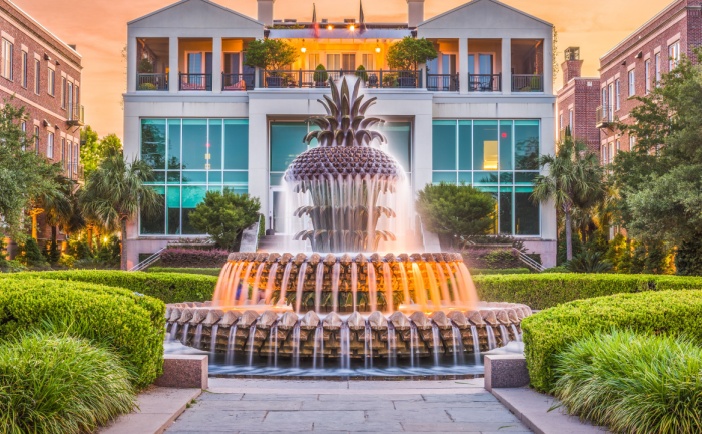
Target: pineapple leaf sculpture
(345, 175)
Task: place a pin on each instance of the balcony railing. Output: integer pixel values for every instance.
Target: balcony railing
(238, 82)
(604, 116)
(443, 82)
(74, 170)
(152, 81)
(195, 81)
(75, 115)
(527, 83)
(485, 82)
(319, 79)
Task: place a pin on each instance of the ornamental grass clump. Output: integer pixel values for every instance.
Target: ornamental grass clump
(633, 383)
(60, 384)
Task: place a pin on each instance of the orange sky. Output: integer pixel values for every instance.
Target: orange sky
(99, 28)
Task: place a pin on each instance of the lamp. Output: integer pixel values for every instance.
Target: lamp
(330, 27)
(352, 27)
(303, 49)
(377, 46)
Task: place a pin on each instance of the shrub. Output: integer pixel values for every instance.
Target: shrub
(167, 287)
(224, 216)
(200, 271)
(505, 271)
(541, 291)
(633, 383)
(191, 258)
(320, 74)
(589, 262)
(60, 384)
(673, 313)
(132, 325)
(361, 73)
(31, 256)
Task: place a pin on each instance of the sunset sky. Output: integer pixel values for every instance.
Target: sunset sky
(99, 28)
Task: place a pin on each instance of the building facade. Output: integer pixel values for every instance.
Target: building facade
(634, 66)
(41, 73)
(481, 113)
(578, 100)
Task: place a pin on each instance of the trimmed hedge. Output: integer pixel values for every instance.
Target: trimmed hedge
(133, 326)
(501, 272)
(200, 271)
(674, 313)
(192, 258)
(542, 291)
(167, 287)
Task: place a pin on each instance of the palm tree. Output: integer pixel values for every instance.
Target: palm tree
(574, 182)
(59, 206)
(115, 192)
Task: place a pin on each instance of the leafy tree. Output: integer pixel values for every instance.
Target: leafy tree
(224, 216)
(24, 175)
(456, 212)
(575, 181)
(93, 150)
(408, 53)
(30, 254)
(273, 54)
(59, 207)
(114, 193)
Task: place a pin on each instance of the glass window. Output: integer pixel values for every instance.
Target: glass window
(191, 196)
(155, 222)
(505, 210)
(673, 55)
(526, 145)
(153, 143)
(194, 147)
(617, 99)
(52, 82)
(7, 59)
(236, 144)
(657, 66)
(439, 177)
(465, 145)
(632, 82)
(647, 75)
(50, 145)
(399, 135)
(24, 69)
(173, 212)
(173, 155)
(37, 76)
(214, 145)
(286, 143)
(444, 149)
(506, 160)
(526, 213)
(485, 144)
(36, 139)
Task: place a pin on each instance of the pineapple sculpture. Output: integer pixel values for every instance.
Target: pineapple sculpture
(344, 176)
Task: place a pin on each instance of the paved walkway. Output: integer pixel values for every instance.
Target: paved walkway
(245, 406)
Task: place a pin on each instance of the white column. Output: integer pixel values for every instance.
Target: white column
(131, 64)
(548, 65)
(259, 178)
(422, 151)
(173, 66)
(463, 65)
(217, 64)
(506, 66)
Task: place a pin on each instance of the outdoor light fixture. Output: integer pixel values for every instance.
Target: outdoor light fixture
(377, 46)
(352, 27)
(330, 27)
(303, 49)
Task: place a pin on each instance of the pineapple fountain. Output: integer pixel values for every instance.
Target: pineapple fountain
(333, 304)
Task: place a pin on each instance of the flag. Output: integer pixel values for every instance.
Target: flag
(315, 24)
(361, 20)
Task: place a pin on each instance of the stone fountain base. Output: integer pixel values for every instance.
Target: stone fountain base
(210, 329)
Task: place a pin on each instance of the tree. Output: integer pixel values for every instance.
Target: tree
(575, 181)
(456, 212)
(59, 207)
(224, 216)
(114, 193)
(93, 150)
(408, 53)
(24, 174)
(659, 180)
(273, 54)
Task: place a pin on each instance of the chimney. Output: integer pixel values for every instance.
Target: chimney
(573, 66)
(415, 13)
(265, 12)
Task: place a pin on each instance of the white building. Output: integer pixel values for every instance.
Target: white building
(481, 113)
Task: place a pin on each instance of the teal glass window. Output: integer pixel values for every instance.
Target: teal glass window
(506, 153)
(286, 143)
(506, 211)
(527, 217)
(173, 212)
(154, 223)
(465, 145)
(173, 155)
(153, 143)
(236, 144)
(444, 145)
(526, 145)
(194, 144)
(399, 135)
(214, 145)
(191, 196)
(485, 144)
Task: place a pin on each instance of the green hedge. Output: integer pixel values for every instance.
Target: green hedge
(167, 287)
(675, 313)
(200, 271)
(133, 326)
(502, 272)
(541, 291)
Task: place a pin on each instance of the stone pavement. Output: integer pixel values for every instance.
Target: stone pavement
(246, 406)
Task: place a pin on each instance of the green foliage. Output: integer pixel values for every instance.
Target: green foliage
(456, 211)
(128, 323)
(24, 174)
(224, 216)
(408, 53)
(320, 74)
(688, 259)
(361, 73)
(496, 258)
(633, 383)
(271, 54)
(93, 151)
(501, 272)
(167, 287)
(200, 271)
(674, 313)
(30, 254)
(542, 291)
(589, 262)
(60, 384)
(145, 66)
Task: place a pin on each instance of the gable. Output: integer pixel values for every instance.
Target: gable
(196, 14)
(483, 14)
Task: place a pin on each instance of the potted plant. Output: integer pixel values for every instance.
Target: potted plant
(145, 66)
(406, 55)
(361, 73)
(271, 55)
(320, 76)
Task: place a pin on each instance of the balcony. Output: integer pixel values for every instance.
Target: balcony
(151, 81)
(604, 116)
(382, 79)
(527, 83)
(238, 82)
(76, 115)
(195, 82)
(485, 82)
(74, 171)
(443, 82)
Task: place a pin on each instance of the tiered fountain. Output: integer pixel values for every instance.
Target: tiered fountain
(338, 305)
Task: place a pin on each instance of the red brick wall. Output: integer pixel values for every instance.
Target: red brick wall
(583, 95)
(571, 69)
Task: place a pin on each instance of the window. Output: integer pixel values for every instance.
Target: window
(647, 76)
(333, 61)
(69, 158)
(63, 152)
(632, 142)
(24, 69)
(632, 82)
(63, 92)
(50, 145)
(312, 60)
(7, 59)
(673, 55)
(612, 100)
(36, 139)
(603, 151)
(571, 121)
(657, 66)
(605, 102)
(37, 76)
(611, 152)
(617, 99)
(348, 61)
(23, 126)
(52, 82)
(368, 61)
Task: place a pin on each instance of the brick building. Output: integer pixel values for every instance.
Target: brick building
(578, 100)
(43, 74)
(636, 64)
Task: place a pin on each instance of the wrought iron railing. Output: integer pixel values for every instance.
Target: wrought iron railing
(527, 83)
(320, 79)
(75, 115)
(238, 82)
(195, 81)
(152, 81)
(485, 82)
(443, 82)
(604, 115)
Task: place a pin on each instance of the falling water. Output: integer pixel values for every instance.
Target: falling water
(231, 345)
(392, 346)
(318, 346)
(458, 349)
(284, 286)
(492, 343)
(257, 282)
(504, 335)
(354, 285)
(213, 340)
(372, 287)
(368, 347)
(300, 286)
(184, 337)
(405, 284)
(420, 293)
(296, 345)
(274, 332)
(387, 284)
(436, 341)
(517, 335)
(336, 271)
(221, 286)
(233, 294)
(345, 336)
(414, 342)
(476, 343)
(318, 285)
(471, 294)
(271, 283)
(244, 296)
(198, 336)
(174, 331)
(252, 343)
(454, 287)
